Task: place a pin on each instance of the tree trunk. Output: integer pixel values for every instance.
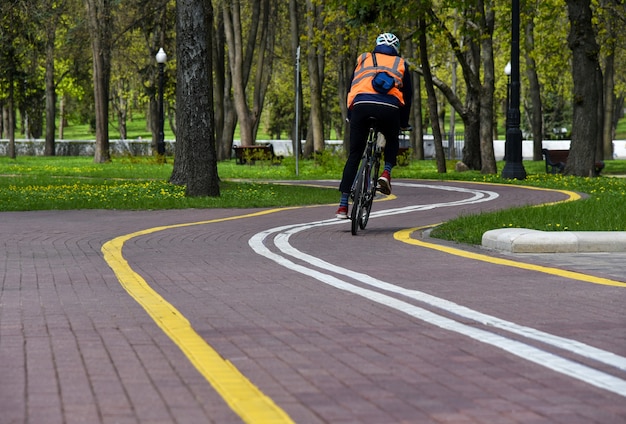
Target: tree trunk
(99, 15)
(469, 60)
(196, 159)
(232, 29)
(49, 148)
(471, 147)
(432, 99)
(218, 50)
(468, 57)
(609, 98)
(294, 26)
(225, 114)
(315, 77)
(488, 161)
(11, 120)
(585, 69)
(534, 89)
(599, 155)
(264, 61)
(346, 63)
(417, 135)
(240, 61)
(61, 117)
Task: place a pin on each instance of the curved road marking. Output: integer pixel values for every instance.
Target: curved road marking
(243, 397)
(239, 393)
(405, 237)
(530, 353)
(282, 242)
(552, 361)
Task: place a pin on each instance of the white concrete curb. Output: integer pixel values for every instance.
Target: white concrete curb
(522, 240)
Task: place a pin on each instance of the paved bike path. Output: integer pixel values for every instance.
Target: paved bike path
(77, 347)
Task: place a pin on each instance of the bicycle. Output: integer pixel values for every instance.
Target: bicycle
(365, 184)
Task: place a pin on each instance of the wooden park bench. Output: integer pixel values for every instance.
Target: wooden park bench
(250, 154)
(556, 160)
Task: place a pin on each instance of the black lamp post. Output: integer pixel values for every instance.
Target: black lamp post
(161, 58)
(514, 168)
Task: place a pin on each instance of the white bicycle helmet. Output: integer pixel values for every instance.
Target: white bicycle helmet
(388, 39)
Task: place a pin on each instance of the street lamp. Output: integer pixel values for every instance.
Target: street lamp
(514, 168)
(161, 58)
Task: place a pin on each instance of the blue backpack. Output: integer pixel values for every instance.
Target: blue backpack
(382, 82)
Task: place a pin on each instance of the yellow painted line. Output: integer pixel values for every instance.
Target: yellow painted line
(243, 397)
(405, 237)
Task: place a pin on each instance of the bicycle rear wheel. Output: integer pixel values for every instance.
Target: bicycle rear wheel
(358, 202)
(370, 193)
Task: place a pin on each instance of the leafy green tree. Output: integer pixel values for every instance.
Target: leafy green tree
(612, 15)
(432, 99)
(257, 47)
(586, 74)
(13, 49)
(225, 114)
(100, 22)
(534, 112)
(315, 63)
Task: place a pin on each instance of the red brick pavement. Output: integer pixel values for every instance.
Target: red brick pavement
(75, 347)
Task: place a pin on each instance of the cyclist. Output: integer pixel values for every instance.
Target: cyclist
(367, 99)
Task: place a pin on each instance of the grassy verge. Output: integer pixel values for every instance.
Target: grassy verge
(39, 183)
(602, 210)
(44, 183)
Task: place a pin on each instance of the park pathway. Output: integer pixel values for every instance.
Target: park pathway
(229, 316)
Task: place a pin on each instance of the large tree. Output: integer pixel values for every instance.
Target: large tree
(242, 59)
(486, 20)
(225, 114)
(432, 99)
(612, 15)
(586, 73)
(534, 89)
(316, 63)
(196, 159)
(100, 19)
(475, 33)
(12, 13)
(51, 98)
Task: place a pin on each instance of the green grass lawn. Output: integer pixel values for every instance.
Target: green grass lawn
(49, 183)
(42, 183)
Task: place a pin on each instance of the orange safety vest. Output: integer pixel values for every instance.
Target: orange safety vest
(365, 72)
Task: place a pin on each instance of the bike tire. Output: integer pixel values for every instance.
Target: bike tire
(357, 203)
(370, 195)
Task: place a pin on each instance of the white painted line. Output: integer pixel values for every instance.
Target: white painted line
(538, 356)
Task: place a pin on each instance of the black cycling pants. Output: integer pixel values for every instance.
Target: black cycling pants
(388, 119)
